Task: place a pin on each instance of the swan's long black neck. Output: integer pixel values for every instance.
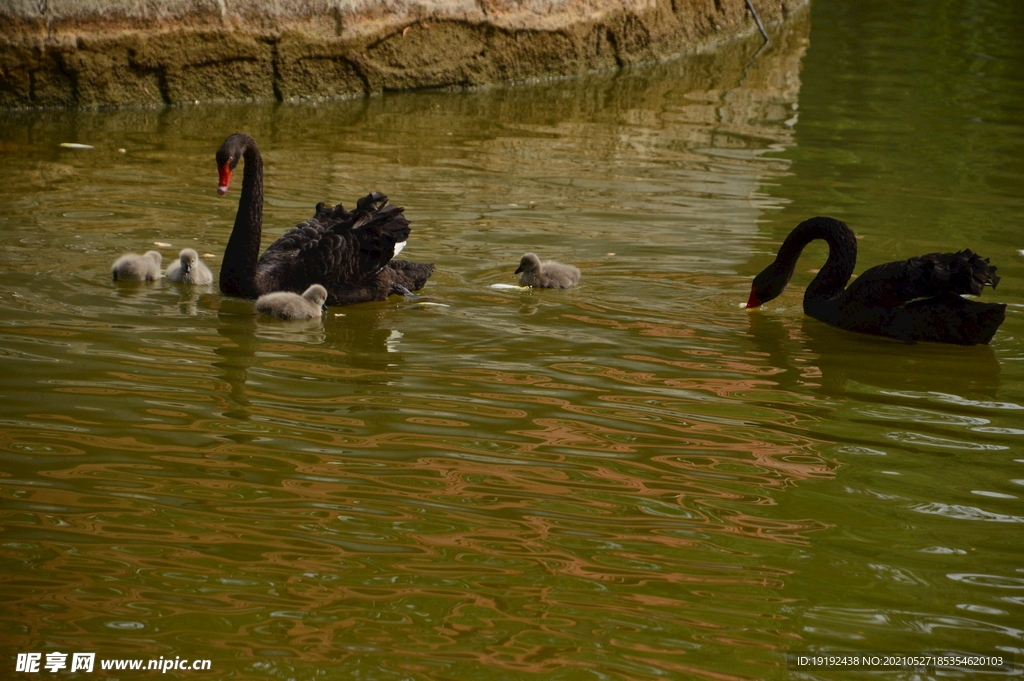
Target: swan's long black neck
(238, 270)
(842, 257)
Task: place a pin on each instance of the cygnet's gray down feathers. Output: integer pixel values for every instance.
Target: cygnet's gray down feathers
(135, 267)
(288, 305)
(549, 274)
(189, 269)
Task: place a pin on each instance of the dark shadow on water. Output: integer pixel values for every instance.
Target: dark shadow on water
(352, 347)
(237, 326)
(831, 361)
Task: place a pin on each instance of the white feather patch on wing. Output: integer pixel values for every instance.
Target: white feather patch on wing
(398, 249)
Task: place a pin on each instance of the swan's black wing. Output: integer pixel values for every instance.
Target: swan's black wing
(926, 276)
(920, 300)
(337, 248)
(949, 319)
(379, 231)
(411, 276)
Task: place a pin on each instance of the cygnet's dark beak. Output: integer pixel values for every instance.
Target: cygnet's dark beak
(520, 269)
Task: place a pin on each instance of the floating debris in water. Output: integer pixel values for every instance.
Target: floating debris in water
(513, 287)
(76, 145)
(161, 244)
(426, 302)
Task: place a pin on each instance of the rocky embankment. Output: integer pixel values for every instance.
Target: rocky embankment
(102, 53)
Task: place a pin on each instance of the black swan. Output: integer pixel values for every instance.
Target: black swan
(349, 253)
(135, 267)
(189, 269)
(550, 274)
(910, 300)
(288, 305)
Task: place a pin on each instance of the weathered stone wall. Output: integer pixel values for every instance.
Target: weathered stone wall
(92, 53)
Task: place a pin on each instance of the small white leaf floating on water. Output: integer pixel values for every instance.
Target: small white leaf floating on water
(512, 287)
(76, 145)
(161, 244)
(122, 151)
(1020, 251)
(424, 302)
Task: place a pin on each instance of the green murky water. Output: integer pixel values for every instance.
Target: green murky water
(634, 479)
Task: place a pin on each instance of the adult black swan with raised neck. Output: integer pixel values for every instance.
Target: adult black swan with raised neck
(911, 300)
(350, 253)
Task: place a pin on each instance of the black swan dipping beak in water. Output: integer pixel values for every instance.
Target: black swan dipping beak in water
(349, 253)
(911, 300)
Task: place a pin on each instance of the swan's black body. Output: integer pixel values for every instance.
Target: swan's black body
(348, 252)
(912, 300)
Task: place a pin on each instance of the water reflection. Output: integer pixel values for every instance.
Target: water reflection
(631, 479)
(812, 354)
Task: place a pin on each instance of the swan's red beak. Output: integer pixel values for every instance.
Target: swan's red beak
(225, 179)
(753, 302)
